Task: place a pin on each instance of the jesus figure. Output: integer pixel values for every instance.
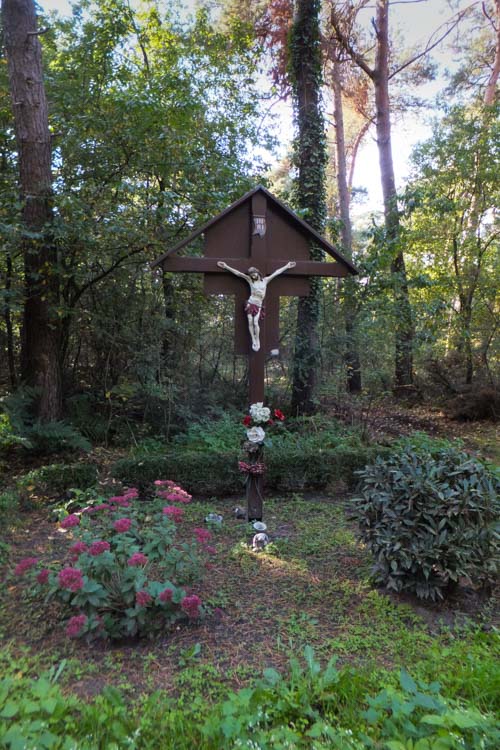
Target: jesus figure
(254, 306)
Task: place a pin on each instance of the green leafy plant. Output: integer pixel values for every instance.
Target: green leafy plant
(429, 521)
(40, 437)
(125, 575)
(55, 479)
(416, 717)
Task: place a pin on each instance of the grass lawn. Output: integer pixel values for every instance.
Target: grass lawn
(309, 587)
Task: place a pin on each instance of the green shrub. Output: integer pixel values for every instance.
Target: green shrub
(8, 436)
(466, 663)
(429, 521)
(204, 473)
(55, 479)
(421, 442)
(85, 413)
(210, 473)
(218, 435)
(9, 503)
(31, 433)
(35, 714)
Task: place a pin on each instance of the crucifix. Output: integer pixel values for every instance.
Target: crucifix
(257, 250)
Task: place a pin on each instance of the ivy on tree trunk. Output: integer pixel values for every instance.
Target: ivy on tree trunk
(310, 160)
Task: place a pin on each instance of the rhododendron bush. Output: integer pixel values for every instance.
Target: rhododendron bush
(124, 573)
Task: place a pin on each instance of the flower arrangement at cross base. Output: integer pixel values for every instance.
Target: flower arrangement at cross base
(258, 417)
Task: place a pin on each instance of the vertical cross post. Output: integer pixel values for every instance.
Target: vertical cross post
(257, 360)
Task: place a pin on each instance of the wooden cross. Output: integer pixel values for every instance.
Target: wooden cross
(257, 230)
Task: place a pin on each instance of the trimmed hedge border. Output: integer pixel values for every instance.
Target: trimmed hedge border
(217, 473)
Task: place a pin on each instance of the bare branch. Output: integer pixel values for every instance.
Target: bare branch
(454, 21)
(343, 40)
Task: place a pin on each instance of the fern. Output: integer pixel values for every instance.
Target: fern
(18, 426)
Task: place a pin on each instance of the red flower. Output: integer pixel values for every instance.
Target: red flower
(202, 535)
(75, 625)
(143, 598)
(70, 521)
(24, 565)
(97, 548)
(247, 421)
(166, 595)
(278, 414)
(43, 576)
(70, 579)
(173, 513)
(122, 525)
(137, 560)
(191, 606)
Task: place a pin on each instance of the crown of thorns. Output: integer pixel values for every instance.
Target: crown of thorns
(252, 269)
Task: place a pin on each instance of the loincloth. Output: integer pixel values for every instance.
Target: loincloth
(252, 309)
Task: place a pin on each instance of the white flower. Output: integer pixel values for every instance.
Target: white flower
(259, 412)
(256, 435)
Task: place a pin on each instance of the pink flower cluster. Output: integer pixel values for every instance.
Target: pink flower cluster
(165, 483)
(203, 536)
(75, 625)
(43, 576)
(97, 508)
(173, 513)
(124, 500)
(191, 605)
(166, 595)
(122, 525)
(25, 565)
(137, 559)
(70, 521)
(120, 500)
(97, 548)
(70, 579)
(77, 549)
(174, 493)
(143, 598)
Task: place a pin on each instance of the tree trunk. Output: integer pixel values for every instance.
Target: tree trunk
(41, 355)
(351, 353)
(8, 325)
(403, 314)
(310, 159)
(491, 86)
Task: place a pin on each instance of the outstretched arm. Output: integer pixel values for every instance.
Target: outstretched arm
(290, 264)
(223, 265)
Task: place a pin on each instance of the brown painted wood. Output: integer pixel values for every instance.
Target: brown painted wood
(255, 498)
(191, 264)
(275, 205)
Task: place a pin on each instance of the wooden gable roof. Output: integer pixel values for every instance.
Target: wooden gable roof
(292, 219)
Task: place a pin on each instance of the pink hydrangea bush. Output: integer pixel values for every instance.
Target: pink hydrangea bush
(125, 574)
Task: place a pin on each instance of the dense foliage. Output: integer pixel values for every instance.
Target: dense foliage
(430, 521)
(312, 707)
